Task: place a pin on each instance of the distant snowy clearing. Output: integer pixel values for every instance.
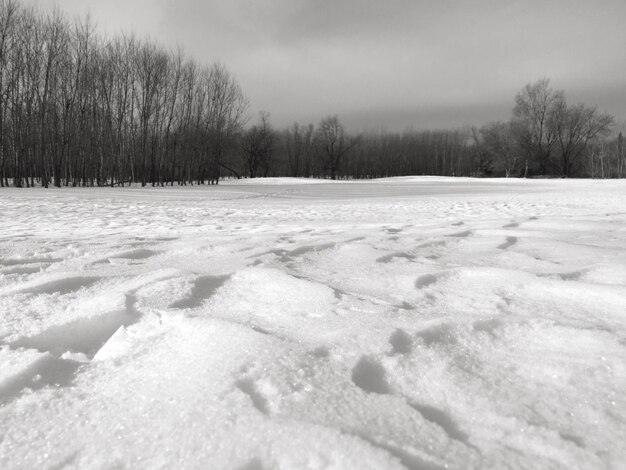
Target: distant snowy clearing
(410, 323)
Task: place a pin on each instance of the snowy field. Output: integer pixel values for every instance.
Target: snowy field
(416, 323)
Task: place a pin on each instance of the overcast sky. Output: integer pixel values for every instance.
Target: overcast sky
(390, 63)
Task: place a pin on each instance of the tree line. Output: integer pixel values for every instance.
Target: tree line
(329, 151)
(78, 109)
(546, 136)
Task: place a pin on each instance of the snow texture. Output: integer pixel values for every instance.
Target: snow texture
(409, 323)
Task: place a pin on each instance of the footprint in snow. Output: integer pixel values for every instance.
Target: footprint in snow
(204, 287)
(425, 281)
(441, 419)
(573, 276)
(369, 375)
(354, 240)
(510, 241)
(249, 387)
(254, 464)
(438, 334)
(573, 439)
(463, 234)
(489, 326)
(140, 253)
(261, 330)
(388, 258)
(321, 352)
(405, 306)
(433, 244)
(401, 342)
(304, 250)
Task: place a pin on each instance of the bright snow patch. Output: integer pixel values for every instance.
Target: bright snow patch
(416, 323)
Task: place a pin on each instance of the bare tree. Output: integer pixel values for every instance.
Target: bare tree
(499, 143)
(150, 63)
(575, 127)
(8, 40)
(532, 116)
(292, 138)
(181, 166)
(225, 116)
(621, 156)
(257, 146)
(335, 143)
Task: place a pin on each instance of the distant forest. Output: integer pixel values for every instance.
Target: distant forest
(78, 109)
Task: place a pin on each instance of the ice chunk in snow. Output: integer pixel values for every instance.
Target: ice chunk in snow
(116, 346)
(74, 356)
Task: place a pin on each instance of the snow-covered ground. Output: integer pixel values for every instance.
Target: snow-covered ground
(419, 323)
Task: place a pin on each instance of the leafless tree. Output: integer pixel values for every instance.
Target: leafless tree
(8, 42)
(258, 145)
(574, 128)
(621, 156)
(532, 116)
(499, 142)
(335, 143)
(225, 116)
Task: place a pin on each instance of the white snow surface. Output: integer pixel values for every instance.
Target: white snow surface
(416, 323)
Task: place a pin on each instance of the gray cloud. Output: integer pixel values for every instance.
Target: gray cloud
(394, 63)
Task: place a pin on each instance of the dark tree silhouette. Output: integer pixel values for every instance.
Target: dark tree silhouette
(335, 144)
(76, 109)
